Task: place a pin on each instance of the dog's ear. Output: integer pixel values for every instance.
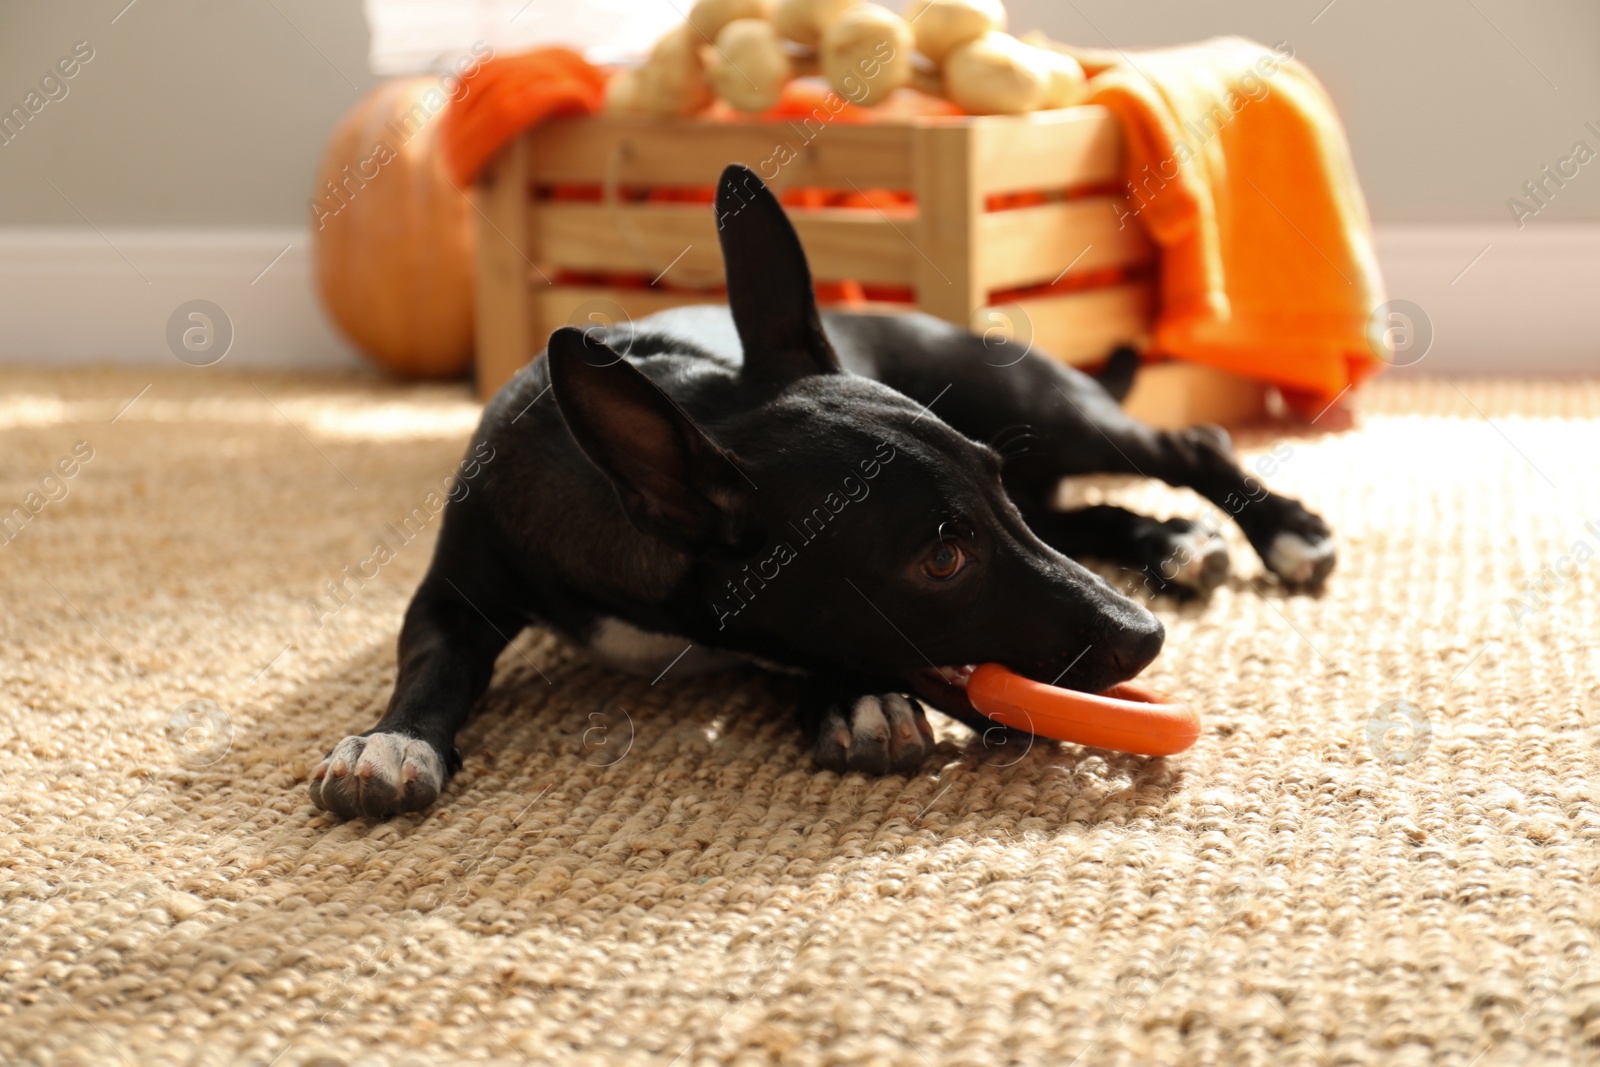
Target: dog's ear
(674, 481)
(769, 284)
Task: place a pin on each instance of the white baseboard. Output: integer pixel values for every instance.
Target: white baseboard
(85, 296)
(1526, 306)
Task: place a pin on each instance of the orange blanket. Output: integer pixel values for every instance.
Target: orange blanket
(506, 95)
(1239, 168)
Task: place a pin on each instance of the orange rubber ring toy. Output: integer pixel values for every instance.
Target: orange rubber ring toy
(1128, 718)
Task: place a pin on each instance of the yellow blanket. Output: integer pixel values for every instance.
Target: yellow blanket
(1239, 168)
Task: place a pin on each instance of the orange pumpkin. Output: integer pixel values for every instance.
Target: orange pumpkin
(392, 237)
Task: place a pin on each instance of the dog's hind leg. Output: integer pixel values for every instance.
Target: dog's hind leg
(456, 625)
(1065, 423)
(1293, 541)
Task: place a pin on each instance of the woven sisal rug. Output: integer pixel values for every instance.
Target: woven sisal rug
(1384, 849)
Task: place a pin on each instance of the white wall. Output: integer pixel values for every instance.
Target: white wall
(191, 113)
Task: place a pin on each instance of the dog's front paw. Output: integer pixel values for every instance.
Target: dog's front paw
(377, 775)
(877, 733)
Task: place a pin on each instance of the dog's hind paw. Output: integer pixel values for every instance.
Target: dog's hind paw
(1198, 559)
(377, 775)
(1300, 561)
(1294, 542)
(877, 734)
(1208, 563)
(1184, 558)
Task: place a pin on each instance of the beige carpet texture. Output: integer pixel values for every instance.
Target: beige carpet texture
(1384, 848)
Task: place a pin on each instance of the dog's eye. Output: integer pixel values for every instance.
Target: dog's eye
(943, 562)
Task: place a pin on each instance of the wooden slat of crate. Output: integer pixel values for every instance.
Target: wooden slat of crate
(1076, 328)
(1036, 245)
(503, 313)
(840, 243)
(949, 205)
(1082, 328)
(598, 305)
(1078, 146)
(661, 152)
(1174, 395)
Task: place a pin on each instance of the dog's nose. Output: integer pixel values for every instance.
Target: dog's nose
(1139, 644)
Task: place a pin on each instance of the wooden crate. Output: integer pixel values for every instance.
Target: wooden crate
(950, 252)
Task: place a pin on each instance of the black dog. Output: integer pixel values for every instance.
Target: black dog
(763, 483)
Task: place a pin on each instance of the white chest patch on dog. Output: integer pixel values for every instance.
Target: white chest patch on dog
(625, 647)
